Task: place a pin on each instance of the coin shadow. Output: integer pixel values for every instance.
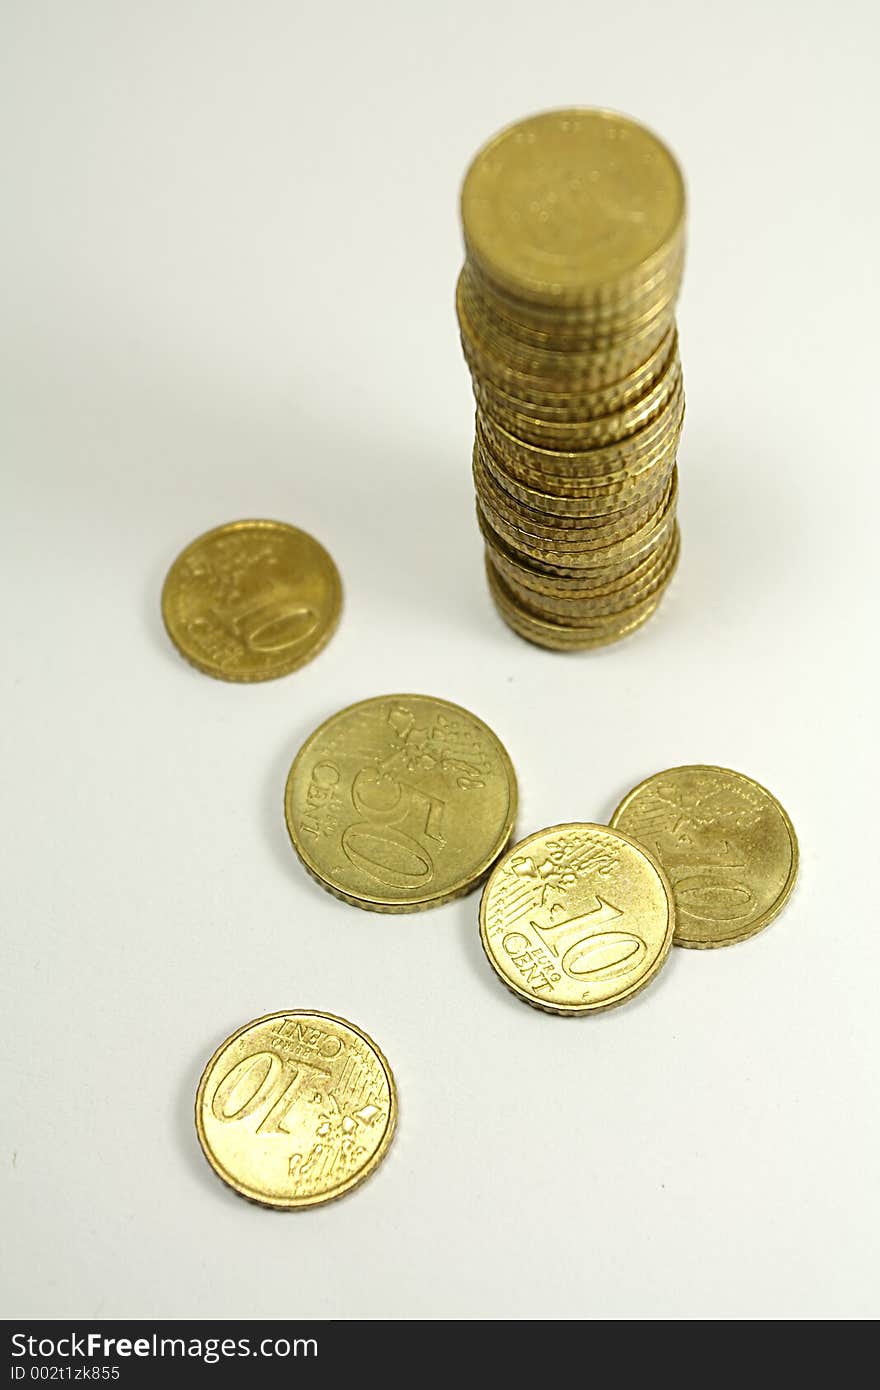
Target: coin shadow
(272, 805)
(418, 553)
(394, 558)
(611, 804)
(183, 1124)
(151, 614)
(467, 911)
(736, 522)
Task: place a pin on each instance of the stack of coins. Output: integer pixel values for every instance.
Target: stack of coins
(574, 234)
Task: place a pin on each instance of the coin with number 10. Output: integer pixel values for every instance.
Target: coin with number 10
(577, 918)
(296, 1108)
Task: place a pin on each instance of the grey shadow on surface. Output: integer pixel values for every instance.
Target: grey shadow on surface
(186, 1140)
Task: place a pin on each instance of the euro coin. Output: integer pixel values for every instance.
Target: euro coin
(589, 606)
(401, 802)
(508, 359)
(582, 405)
(727, 845)
(577, 918)
(559, 635)
(533, 574)
(594, 463)
(507, 511)
(573, 207)
(571, 327)
(251, 600)
(574, 235)
(598, 431)
(296, 1108)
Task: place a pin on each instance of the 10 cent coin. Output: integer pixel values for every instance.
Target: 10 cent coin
(296, 1108)
(251, 600)
(577, 918)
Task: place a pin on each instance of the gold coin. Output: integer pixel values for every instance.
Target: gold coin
(525, 326)
(591, 465)
(568, 206)
(577, 918)
(401, 802)
(560, 637)
(618, 492)
(499, 356)
(585, 405)
(562, 529)
(597, 431)
(577, 584)
(296, 1108)
(606, 552)
(543, 590)
(251, 600)
(593, 630)
(574, 583)
(589, 554)
(559, 640)
(491, 481)
(726, 843)
(591, 607)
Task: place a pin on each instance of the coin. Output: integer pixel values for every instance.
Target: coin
(726, 843)
(584, 404)
(507, 510)
(555, 556)
(251, 600)
(401, 802)
(534, 575)
(574, 235)
(296, 1108)
(591, 606)
(515, 328)
(597, 432)
(596, 463)
(523, 365)
(573, 326)
(577, 918)
(561, 636)
(568, 206)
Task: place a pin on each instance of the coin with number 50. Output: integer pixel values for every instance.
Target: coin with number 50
(400, 802)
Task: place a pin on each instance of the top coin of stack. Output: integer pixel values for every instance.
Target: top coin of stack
(574, 233)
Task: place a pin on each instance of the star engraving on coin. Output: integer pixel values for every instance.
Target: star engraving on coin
(296, 1108)
(576, 918)
(400, 802)
(726, 843)
(251, 600)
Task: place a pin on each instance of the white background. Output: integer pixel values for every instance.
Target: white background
(230, 243)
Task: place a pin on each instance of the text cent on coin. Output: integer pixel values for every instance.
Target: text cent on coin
(251, 600)
(296, 1108)
(577, 918)
(401, 802)
(726, 843)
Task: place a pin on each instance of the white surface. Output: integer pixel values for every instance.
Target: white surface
(230, 244)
